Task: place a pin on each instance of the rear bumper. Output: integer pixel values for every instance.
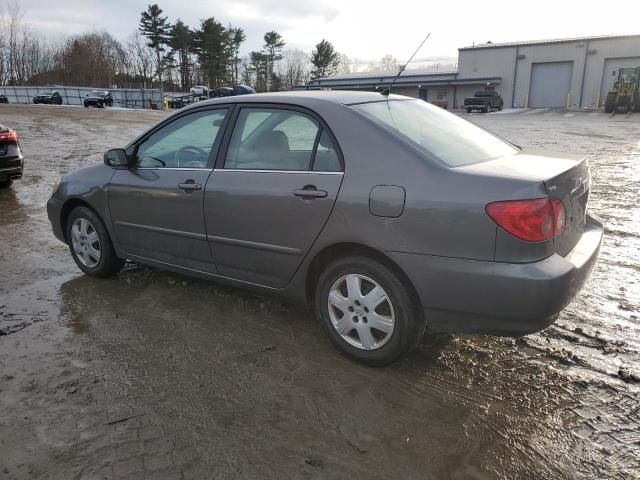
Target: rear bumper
(511, 299)
(54, 212)
(11, 172)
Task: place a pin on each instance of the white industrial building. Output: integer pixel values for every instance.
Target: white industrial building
(564, 73)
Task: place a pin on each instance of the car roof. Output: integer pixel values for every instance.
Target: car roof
(306, 97)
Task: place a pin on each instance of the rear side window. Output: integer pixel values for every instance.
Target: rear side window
(438, 133)
(326, 159)
(272, 139)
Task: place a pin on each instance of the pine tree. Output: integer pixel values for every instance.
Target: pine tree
(273, 44)
(181, 42)
(156, 28)
(211, 43)
(236, 36)
(325, 59)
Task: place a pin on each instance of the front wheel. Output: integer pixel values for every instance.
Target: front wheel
(90, 245)
(368, 311)
(468, 110)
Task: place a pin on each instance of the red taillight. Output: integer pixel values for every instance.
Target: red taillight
(9, 136)
(531, 220)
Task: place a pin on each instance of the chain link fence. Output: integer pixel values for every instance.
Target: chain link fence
(122, 97)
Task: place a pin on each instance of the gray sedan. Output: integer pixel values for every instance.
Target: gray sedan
(390, 216)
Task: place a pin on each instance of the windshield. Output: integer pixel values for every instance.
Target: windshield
(95, 93)
(435, 131)
(46, 92)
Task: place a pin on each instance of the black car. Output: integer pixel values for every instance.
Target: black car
(231, 91)
(98, 98)
(4, 99)
(11, 160)
(485, 101)
(51, 97)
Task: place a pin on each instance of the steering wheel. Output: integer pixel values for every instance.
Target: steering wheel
(190, 150)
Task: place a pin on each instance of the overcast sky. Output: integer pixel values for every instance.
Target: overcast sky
(364, 30)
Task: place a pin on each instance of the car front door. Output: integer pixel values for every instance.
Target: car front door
(271, 193)
(156, 205)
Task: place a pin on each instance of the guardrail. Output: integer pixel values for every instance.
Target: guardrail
(122, 97)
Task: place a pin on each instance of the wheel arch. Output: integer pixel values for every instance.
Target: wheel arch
(340, 250)
(68, 207)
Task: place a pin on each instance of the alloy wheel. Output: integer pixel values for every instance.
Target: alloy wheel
(361, 311)
(85, 242)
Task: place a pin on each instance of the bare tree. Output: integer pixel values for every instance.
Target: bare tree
(293, 69)
(389, 63)
(140, 59)
(344, 65)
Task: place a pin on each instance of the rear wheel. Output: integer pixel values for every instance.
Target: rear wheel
(90, 245)
(486, 108)
(368, 311)
(5, 183)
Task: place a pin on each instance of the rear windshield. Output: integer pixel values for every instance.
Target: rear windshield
(46, 92)
(435, 131)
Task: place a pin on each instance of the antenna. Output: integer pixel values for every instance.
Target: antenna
(387, 91)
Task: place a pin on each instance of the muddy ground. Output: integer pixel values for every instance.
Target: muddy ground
(155, 375)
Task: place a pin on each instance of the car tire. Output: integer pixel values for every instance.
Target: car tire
(486, 109)
(86, 235)
(5, 183)
(468, 110)
(403, 321)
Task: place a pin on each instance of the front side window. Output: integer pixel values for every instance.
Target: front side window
(449, 138)
(186, 142)
(272, 139)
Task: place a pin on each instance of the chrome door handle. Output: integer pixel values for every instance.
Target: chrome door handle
(310, 192)
(189, 186)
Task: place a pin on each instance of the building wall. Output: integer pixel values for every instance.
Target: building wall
(588, 59)
(605, 49)
(489, 62)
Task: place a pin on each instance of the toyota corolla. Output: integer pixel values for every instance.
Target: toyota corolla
(390, 216)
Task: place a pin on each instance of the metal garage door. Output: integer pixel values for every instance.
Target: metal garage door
(550, 84)
(611, 65)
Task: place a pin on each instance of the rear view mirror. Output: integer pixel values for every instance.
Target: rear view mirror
(116, 157)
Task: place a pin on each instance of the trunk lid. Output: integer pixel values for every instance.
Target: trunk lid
(572, 187)
(563, 176)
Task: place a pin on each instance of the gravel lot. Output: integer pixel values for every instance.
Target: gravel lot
(155, 375)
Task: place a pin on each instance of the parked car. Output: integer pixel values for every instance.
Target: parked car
(52, 97)
(4, 99)
(388, 214)
(11, 159)
(199, 90)
(98, 98)
(485, 101)
(179, 101)
(231, 91)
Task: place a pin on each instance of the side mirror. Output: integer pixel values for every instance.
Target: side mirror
(116, 157)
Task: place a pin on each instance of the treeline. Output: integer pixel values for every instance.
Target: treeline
(173, 55)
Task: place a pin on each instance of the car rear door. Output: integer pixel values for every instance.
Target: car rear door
(272, 192)
(156, 205)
